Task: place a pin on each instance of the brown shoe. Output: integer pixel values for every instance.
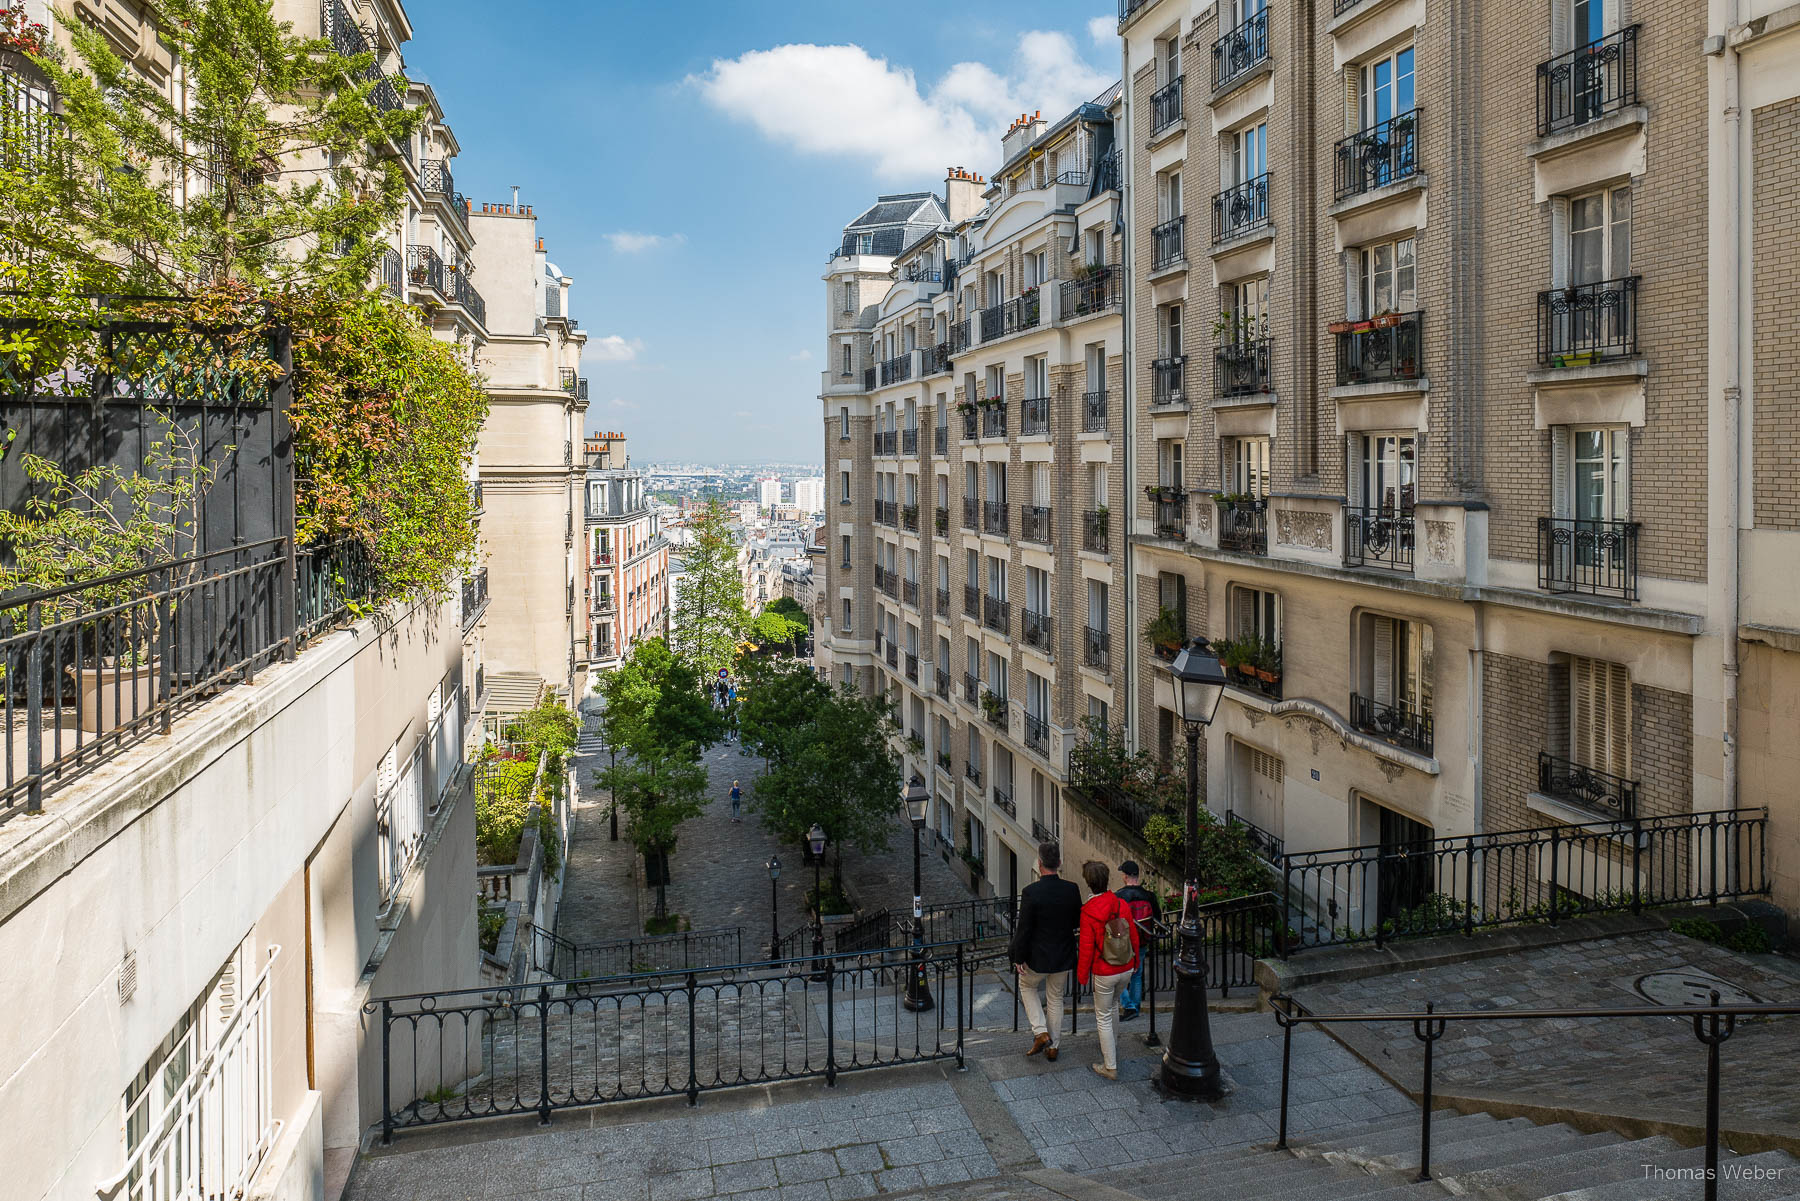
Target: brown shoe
(1101, 1069)
(1039, 1043)
(1051, 1054)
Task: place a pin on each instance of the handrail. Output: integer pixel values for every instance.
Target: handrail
(1713, 1025)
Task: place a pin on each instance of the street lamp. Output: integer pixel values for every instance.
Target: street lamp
(1190, 1070)
(774, 866)
(918, 994)
(815, 841)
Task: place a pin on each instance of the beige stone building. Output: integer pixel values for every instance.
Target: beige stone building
(627, 557)
(975, 452)
(1438, 385)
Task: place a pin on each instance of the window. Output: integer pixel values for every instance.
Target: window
(1096, 605)
(1097, 484)
(844, 482)
(849, 680)
(1096, 247)
(1388, 278)
(1592, 480)
(972, 664)
(845, 369)
(1037, 590)
(1169, 59)
(1246, 315)
(1587, 22)
(943, 581)
(1395, 670)
(972, 568)
(849, 297)
(1600, 236)
(996, 287)
(996, 382)
(1037, 696)
(1038, 477)
(1094, 368)
(1034, 268)
(844, 412)
(1171, 594)
(1168, 192)
(844, 542)
(1168, 331)
(1388, 470)
(1248, 154)
(1168, 463)
(1247, 466)
(1098, 710)
(865, 244)
(1600, 715)
(847, 623)
(943, 491)
(996, 684)
(996, 578)
(996, 483)
(971, 481)
(1256, 612)
(1037, 377)
(1387, 87)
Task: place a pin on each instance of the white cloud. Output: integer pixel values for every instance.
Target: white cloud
(614, 349)
(1104, 31)
(627, 242)
(800, 356)
(619, 402)
(744, 413)
(841, 100)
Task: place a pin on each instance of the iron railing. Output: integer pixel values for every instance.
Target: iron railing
(896, 369)
(909, 592)
(673, 1033)
(1587, 787)
(33, 138)
(1037, 734)
(1093, 412)
(1023, 312)
(1165, 106)
(996, 614)
(1265, 844)
(1384, 153)
(1034, 523)
(1585, 323)
(1036, 629)
(943, 602)
(1515, 877)
(1713, 1024)
(1034, 415)
(936, 358)
(940, 441)
(1401, 724)
(719, 946)
(869, 379)
(1128, 9)
(972, 772)
(940, 517)
(909, 517)
(993, 320)
(1241, 209)
(1168, 243)
(1242, 368)
(1095, 526)
(1379, 537)
(425, 268)
(959, 337)
(1588, 82)
(1166, 381)
(1003, 800)
(348, 41)
(1244, 526)
(463, 293)
(994, 518)
(912, 667)
(942, 688)
(971, 600)
(972, 694)
(1096, 291)
(893, 655)
(969, 426)
(393, 272)
(1241, 49)
(993, 420)
(1380, 349)
(1171, 516)
(971, 513)
(1096, 648)
(1596, 557)
(474, 597)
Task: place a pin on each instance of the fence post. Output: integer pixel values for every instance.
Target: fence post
(1711, 1031)
(960, 1065)
(1287, 1055)
(1637, 843)
(1427, 1030)
(1150, 1039)
(1287, 907)
(387, 1103)
(1469, 888)
(543, 1055)
(1712, 861)
(830, 1028)
(34, 707)
(693, 1084)
(1554, 840)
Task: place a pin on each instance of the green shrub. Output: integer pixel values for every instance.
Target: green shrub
(491, 920)
(1698, 929)
(1751, 940)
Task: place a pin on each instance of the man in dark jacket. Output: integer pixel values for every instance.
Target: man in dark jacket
(1043, 947)
(1143, 910)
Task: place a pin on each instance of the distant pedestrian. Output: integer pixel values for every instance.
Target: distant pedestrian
(1109, 952)
(1043, 948)
(1144, 911)
(737, 802)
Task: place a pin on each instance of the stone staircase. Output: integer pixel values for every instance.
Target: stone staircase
(1473, 1155)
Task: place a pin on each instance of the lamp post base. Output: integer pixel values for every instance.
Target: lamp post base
(1190, 1069)
(917, 998)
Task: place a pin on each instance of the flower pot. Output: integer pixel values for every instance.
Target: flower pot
(112, 696)
(1338, 327)
(1267, 677)
(1361, 327)
(1385, 321)
(1247, 671)
(1166, 650)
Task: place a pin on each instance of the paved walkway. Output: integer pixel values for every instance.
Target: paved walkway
(1643, 1068)
(599, 900)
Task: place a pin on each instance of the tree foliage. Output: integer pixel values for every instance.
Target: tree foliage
(710, 618)
(772, 629)
(790, 608)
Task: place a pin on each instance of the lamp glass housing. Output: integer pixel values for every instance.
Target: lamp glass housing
(1199, 680)
(916, 798)
(815, 838)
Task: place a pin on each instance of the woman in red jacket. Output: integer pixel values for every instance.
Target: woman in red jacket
(1099, 963)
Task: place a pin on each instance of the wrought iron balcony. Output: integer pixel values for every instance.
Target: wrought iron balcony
(896, 369)
(971, 513)
(1034, 415)
(463, 293)
(1398, 724)
(1166, 382)
(1379, 537)
(1093, 290)
(996, 614)
(1042, 833)
(940, 442)
(1238, 51)
(1037, 630)
(972, 694)
(1381, 349)
(603, 604)
(474, 596)
(1165, 106)
(909, 592)
(1095, 533)
(1242, 368)
(1386, 152)
(993, 320)
(972, 600)
(993, 419)
(993, 518)
(940, 519)
(1265, 844)
(942, 687)
(435, 177)
(1241, 209)
(969, 421)
(1168, 243)
(1034, 523)
(1586, 323)
(1096, 649)
(1586, 787)
(1037, 734)
(1588, 82)
(973, 772)
(936, 358)
(1170, 505)
(1003, 798)
(909, 442)
(868, 379)
(1023, 313)
(1093, 412)
(943, 602)
(347, 40)
(960, 339)
(1595, 557)
(893, 655)
(393, 272)
(912, 667)
(1244, 526)
(909, 517)
(1128, 9)
(425, 268)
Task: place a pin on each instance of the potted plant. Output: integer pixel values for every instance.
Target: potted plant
(1268, 662)
(915, 744)
(1361, 327)
(965, 406)
(991, 706)
(1164, 633)
(1385, 319)
(1339, 327)
(1100, 518)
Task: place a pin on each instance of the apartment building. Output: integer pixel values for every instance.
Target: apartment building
(627, 567)
(974, 422)
(532, 483)
(1422, 387)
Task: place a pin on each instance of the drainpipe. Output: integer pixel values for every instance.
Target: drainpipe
(1732, 415)
(1128, 357)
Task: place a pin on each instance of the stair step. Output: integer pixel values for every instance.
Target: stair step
(1644, 1185)
(1539, 1176)
(1220, 1175)
(1517, 1138)
(1565, 1140)
(1445, 1130)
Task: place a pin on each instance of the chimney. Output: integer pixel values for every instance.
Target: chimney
(962, 194)
(515, 189)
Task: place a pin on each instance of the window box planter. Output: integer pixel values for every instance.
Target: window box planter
(1361, 327)
(1385, 320)
(1339, 327)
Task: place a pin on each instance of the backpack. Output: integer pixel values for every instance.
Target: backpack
(1140, 908)
(1115, 943)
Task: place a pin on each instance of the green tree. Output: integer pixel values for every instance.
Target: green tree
(657, 787)
(776, 707)
(276, 163)
(652, 699)
(710, 619)
(788, 607)
(771, 629)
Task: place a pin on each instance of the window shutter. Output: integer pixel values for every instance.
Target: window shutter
(1243, 606)
(1581, 710)
(1381, 686)
(1355, 447)
(1618, 720)
(1621, 440)
(1559, 241)
(1352, 98)
(1353, 285)
(1562, 473)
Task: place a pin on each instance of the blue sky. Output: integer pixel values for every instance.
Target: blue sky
(692, 164)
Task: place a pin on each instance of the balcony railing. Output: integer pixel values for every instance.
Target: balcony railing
(909, 517)
(1165, 106)
(993, 320)
(1386, 152)
(463, 293)
(1241, 209)
(943, 602)
(940, 441)
(1095, 535)
(1167, 243)
(1093, 290)
(1265, 844)
(993, 518)
(1170, 515)
(942, 683)
(1037, 734)
(1096, 650)
(912, 667)
(425, 268)
(971, 513)
(1034, 523)
(1024, 312)
(896, 369)
(1242, 368)
(893, 655)
(474, 596)
(1003, 798)
(909, 592)
(869, 379)
(1379, 537)
(347, 40)
(1382, 349)
(973, 772)
(996, 614)
(1596, 557)
(1128, 9)
(937, 358)
(1585, 323)
(972, 694)
(959, 337)
(1093, 412)
(1244, 526)
(1398, 724)
(1034, 415)
(1586, 787)
(969, 426)
(1042, 833)
(940, 519)
(393, 272)
(993, 420)
(971, 600)
(1238, 51)
(1037, 629)
(1166, 382)
(1589, 82)
(909, 442)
